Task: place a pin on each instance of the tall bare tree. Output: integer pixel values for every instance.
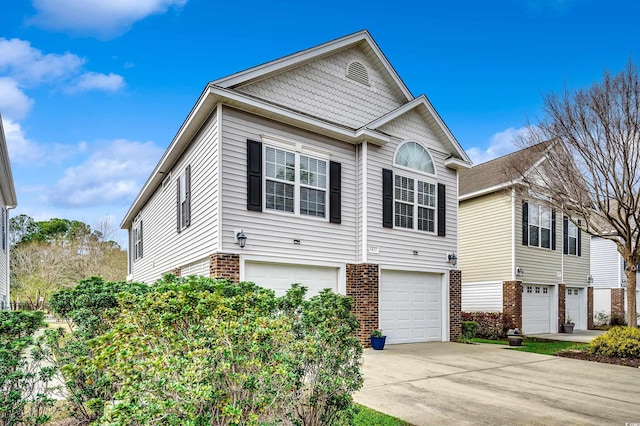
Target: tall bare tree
(592, 170)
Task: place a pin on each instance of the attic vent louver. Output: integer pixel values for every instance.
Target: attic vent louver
(358, 72)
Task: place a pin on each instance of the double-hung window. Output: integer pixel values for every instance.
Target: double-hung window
(183, 199)
(295, 182)
(137, 240)
(539, 226)
(414, 199)
(572, 232)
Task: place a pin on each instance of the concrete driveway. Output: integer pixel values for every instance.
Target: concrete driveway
(459, 384)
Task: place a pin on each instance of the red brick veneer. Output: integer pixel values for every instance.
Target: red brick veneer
(512, 303)
(225, 265)
(455, 304)
(362, 285)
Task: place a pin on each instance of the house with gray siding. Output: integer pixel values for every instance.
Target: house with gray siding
(319, 168)
(520, 256)
(8, 200)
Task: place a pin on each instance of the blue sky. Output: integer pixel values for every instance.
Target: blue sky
(93, 91)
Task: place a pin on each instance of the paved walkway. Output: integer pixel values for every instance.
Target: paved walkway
(580, 336)
(456, 384)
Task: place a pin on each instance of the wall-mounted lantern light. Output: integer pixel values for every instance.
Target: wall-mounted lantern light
(452, 258)
(241, 239)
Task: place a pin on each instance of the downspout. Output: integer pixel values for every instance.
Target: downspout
(365, 205)
(513, 230)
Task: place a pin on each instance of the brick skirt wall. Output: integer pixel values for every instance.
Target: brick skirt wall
(225, 265)
(512, 303)
(362, 285)
(455, 304)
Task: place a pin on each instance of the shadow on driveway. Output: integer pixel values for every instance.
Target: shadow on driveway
(460, 384)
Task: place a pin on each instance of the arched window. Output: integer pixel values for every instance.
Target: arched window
(414, 156)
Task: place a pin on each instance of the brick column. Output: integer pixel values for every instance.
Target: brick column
(362, 286)
(512, 303)
(562, 304)
(455, 304)
(617, 303)
(589, 308)
(225, 265)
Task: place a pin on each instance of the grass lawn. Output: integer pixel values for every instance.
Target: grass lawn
(366, 416)
(545, 347)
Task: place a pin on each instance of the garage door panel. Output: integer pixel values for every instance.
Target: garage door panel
(279, 277)
(410, 306)
(573, 305)
(536, 309)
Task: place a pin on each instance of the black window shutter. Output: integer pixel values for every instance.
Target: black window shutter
(553, 229)
(254, 175)
(442, 210)
(187, 201)
(335, 192)
(178, 215)
(579, 239)
(565, 234)
(387, 198)
(525, 223)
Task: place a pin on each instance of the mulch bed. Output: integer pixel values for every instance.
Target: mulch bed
(629, 362)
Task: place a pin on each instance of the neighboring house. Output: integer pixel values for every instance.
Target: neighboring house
(520, 257)
(8, 201)
(334, 172)
(609, 280)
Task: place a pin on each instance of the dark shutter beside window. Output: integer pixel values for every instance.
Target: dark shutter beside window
(579, 239)
(565, 235)
(553, 229)
(335, 192)
(140, 250)
(187, 196)
(442, 210)
(178, 215)
(525, 223)
(387, 198)
(254, 175)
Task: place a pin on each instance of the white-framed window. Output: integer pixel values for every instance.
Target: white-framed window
(539, 226)
(183, 199)
(295, 182)
(572, 239)
(414, 198)
(4, 229)
(137, 240)
(529, 289)
(545, 290)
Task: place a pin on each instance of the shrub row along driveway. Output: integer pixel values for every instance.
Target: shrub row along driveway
(453, 383)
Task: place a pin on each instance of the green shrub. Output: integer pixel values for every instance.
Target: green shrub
(621, 342)
(468, 331)
(491, 325)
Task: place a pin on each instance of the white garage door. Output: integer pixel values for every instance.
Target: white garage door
(410, 306)
(536, 309)
(280, 276)
(573, 306)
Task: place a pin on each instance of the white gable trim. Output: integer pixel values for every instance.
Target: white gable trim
(422, 101)
(6, 177)
(313, 53)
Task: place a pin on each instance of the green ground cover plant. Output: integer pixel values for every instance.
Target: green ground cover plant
(366, 416)
(544, 347)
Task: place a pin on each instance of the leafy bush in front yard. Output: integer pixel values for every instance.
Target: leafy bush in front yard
(468, 331)
(203, 351)
(491, 325)
(23, 381)
(621, 342)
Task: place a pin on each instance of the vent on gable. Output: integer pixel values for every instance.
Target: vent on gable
(358, 72)
(166, 181)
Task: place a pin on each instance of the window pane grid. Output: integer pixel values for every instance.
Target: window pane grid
(313, 172)
(280, 164)
(539, 226)
(312, 202)
(426, 219)
(404, 215)
(426, 194)
(279, 196)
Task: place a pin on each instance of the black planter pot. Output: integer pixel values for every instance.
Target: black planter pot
(515, 340)
(378, 342)
(568, 328)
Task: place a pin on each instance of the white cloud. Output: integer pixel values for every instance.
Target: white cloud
(102, 18)
(95, 81)
(21, 149)
(501, 143)
(14, 104)
(113, 173)
(31, 66)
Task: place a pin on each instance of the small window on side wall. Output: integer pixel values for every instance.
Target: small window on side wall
(137, 240)
(183, 200)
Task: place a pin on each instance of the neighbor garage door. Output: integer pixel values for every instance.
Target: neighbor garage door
(536, 309)
(410, 306)
(573, 304)
(280, 276)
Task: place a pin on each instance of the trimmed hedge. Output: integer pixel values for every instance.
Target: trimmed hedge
(491, 325)
(620, 342)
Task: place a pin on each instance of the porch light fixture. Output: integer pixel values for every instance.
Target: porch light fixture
(241, 238)
(590, 279)
(519, 271)
(452, 258)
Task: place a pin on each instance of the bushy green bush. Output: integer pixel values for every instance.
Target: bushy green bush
(24, 381)
(622, 342)
(468, 331)
(491, 325)
(202, 351)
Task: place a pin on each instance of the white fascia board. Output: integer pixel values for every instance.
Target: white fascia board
(456, 163)
(6, 177)
(310, 54)
(485, 191)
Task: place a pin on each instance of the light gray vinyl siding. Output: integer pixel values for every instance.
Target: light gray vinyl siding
(396, 245)
(606, 263)
(541, 265)
(482, 297)
(576, 268)
(486, 238)
(165, 249)
(359, 203)
(322, 89)
(270, 233)
(4, 279)
(601, 301)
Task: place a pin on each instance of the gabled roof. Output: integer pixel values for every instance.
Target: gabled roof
(6, 177)
(422, 105)
(499, 173)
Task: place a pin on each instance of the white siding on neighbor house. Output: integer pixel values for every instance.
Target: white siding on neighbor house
(601, 302)
(322, 89)
(163, 248)
(486, 238)
(606, 263)
(482, 297)
(270, 233)
(4, 279)
(396, 246)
